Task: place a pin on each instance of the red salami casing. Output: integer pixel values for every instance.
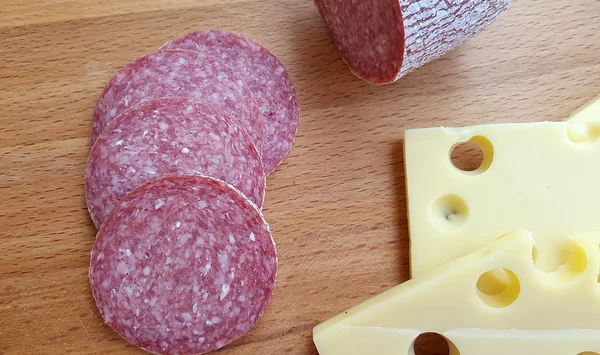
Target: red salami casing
(383, 40)
(183, 265)
(267, 78)
(179, 73)
(169, 137)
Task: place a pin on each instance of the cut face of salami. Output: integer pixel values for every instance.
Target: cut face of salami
(183, 265)
(383, 40)
(179, 73)
(369, 35)
(169, 137)
(266, 77)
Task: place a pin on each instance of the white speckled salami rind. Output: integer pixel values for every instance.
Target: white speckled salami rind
(169, 137)
(267, 78)
(183, 265)
(179, 73)
(383, 40)
(432, 28)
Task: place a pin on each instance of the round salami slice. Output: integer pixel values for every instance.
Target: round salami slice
(169, 137)
(266, 77)
(383, 40)
(179, 73)
(183, 265)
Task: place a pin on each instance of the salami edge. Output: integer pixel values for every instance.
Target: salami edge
(181, 327)
(169, 137)
(382, 41)
(266, 76)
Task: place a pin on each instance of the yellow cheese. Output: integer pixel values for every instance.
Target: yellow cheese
(493, 301)
(544, 177)
(590, 112)
(525, 342)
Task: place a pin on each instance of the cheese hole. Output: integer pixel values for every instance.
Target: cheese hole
(433, 344)
(560, 261)
(449, 212)
(473, 156)
(498, 288)
(494, 282)
(551, 261)
(583, 132)
(588, 353)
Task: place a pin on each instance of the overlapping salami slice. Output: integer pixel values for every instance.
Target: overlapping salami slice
(169, 137)
(183, 265)
(266, 77)
(383, 40)
(179, 73)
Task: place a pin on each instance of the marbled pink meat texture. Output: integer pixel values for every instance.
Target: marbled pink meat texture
(169, 137)
(179, 73)
(267, 78)
(383, 40)
(183, 265)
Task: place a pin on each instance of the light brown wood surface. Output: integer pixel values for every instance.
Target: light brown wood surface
(336, 205)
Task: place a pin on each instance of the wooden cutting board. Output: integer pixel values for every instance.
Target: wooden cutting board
(336, 205)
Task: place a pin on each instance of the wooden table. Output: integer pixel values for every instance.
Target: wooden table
(336, 205)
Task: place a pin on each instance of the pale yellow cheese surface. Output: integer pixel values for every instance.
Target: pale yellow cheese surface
(492, 301)
(590, 112)
(544, 177)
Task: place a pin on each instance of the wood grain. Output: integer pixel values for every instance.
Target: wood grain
(336, 205)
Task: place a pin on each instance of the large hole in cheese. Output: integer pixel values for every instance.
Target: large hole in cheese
(561, 260)
(473, 156)
(498, 288)
(433, 344)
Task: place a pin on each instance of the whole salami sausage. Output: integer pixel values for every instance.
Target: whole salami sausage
(179, 73)
(169, 137)
(183, 265)
(266, 77)
(383, 40)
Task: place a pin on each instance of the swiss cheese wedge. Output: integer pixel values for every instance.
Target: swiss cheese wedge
(491, 301)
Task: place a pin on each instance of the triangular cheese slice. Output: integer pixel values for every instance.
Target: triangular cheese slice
(492, 299)
(590, 112)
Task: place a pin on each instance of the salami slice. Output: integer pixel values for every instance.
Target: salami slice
(169, 137)
(183, 265)
(266, 77)
(383, 40)
(179, 73)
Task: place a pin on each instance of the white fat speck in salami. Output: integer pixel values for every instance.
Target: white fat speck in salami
(383, 40)
(185, 290)
(266, 77)
(169, 137)
(179, 73)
